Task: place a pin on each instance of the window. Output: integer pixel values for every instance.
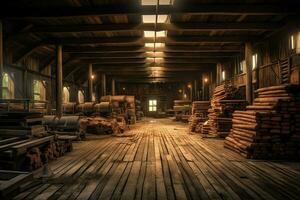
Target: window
(223, 75)
(39, 90)
(152, 105)
(66, 95)
(8, 87)
(80, 96)
(292, 42)
(254, 61)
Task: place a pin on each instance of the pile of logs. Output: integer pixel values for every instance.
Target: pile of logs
(225, 100)
(199, 115)
(270, 128)
(100, 125)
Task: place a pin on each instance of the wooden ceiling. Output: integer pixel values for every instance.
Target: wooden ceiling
(110, 34)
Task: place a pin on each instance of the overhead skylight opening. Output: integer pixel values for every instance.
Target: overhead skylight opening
(162, 18)
(161, 34)
(152, 18)
(149, 18)
(159, 45)
(149, 33)
(149, 2)
(149, 44)
(152, 33)
(150, 60)
(165, 2)
(154, 2)
(159, 60)
(154, 54)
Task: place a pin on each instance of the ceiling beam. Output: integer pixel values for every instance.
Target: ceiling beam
(156, 54)
(165, 65)
(211, 26)
(12, 11)
(128, 40)
(144, 61)
(141, 49)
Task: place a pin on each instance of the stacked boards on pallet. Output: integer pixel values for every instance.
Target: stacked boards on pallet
(199, 115)
(138, 110)
(270, 128)
(100, 125)
(131, 109)
(182, 109)
(65, 125)
(225, 100)
(86, 108)
(120, 105)
(24, 142)
(69, 108)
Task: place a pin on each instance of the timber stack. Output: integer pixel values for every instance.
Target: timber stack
(199, 115)
(100, 125)
(226, 99)
(182, 109)
(270, 128)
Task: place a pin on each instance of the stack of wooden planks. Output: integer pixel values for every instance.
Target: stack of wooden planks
(182, 109)
(100, 125)
(268, 129)
(225, 100)
(199, 115)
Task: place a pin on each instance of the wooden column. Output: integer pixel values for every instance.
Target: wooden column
(248, 59)
(59, 83)
(113, 87)
(90, 83)
(195, 90)
(103, 80)
(219, 74)
(1, 57)
(49, 95)
(25, 83)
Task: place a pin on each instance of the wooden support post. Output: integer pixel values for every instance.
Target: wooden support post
(219, 73)
(195, 90)
(103, 79)
(59, 83)
(90, 83)
(1, 57)
(25, 83)
(113, 87)
(49, 95)
(248, 59)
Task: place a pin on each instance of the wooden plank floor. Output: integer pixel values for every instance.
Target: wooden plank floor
(162, 161)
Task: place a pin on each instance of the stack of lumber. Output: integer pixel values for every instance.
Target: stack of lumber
(138, 110)
(199, 115)
(100, 125)
(86, 108)
(268, 129)
(204, 127)
(224, 102)
(182, 109)
(65, 125)
(69, 108)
